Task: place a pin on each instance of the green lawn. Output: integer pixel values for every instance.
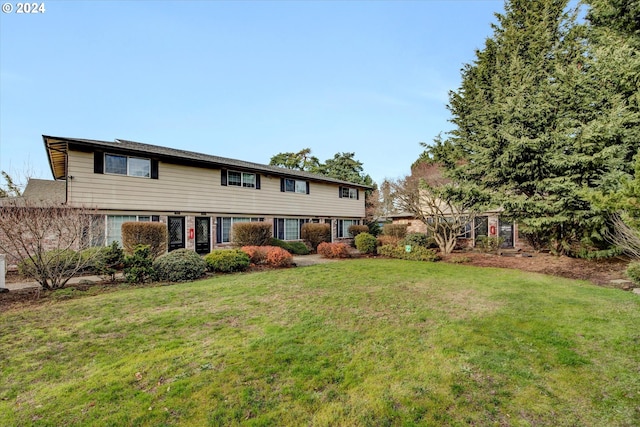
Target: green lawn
(359, 342)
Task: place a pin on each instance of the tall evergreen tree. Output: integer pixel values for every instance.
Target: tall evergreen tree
(537, 121)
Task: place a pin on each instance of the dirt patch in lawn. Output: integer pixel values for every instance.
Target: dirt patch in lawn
(599, 272)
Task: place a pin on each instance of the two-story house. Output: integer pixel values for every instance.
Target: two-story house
(198, 196)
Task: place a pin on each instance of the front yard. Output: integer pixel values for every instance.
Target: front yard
(359, 342)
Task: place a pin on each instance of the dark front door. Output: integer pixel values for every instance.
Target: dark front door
(506, 232)
(176, 233)
(203, 235)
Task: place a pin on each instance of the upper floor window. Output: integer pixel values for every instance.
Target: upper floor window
(125, 165)
(349, 193)
(240, 179)
(294, 186)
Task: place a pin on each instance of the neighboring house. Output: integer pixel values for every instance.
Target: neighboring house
(198, 196)
(485, 224)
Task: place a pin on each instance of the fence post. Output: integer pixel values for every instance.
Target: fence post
(3, 272)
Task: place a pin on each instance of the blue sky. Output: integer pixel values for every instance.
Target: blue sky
(244, 80)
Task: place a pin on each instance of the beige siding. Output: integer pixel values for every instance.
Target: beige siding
(195, 189)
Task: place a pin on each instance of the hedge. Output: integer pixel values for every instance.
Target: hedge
(395, 230)
(333, 250)
(251, 233)
(227, 260)
(366, 243)
(314, 234)
(180, 265)
(417, 253)
(153, 234)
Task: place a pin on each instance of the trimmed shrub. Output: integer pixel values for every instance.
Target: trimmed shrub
(138, 267)
(356, 229)
(278, 257)
(633, 271)
(415, 239)
(333, 250)
(366, 243)
(417, 254)
(57, 260)
(251, 233)
(152, 234)
(395, 230)
(388, 240)
(227, 260)
(273, 256)
(257, 254)
(180, 265)
(314, 234)
(295, 248)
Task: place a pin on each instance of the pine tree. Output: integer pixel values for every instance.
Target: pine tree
(540, 117)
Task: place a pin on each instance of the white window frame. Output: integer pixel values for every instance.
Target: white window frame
(247, 179)
(228, 220)
(299, 186)
(111, 234)
(343, 230)
(349, 193)
(144, 172)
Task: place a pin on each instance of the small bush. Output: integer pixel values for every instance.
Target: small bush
(278, 257)
(227, 260)
(138, 267)
(489, 244)
(633, 271)
(57, 260)
(374, 228)
(395, 230)
(251, 233)
(295, 248)
(333, 250)
(314, 234)
(180, 265)
(356, 229)
(366, 243)
(257, 254)
(90, 257)
(104, 261)
(415, 239)
(388, 240)
(273, 256)
(417, 254)
(153, 234)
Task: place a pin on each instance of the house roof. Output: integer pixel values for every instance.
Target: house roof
(58, 147)
(41, 190)
(38, 192)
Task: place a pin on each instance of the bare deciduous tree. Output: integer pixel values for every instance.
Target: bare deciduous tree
(446, 209)
(624, 236)
(46, 236)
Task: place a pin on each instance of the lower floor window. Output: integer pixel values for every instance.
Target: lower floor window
(114, 225)
(225, 225)
(288, 228)
(344, 224)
